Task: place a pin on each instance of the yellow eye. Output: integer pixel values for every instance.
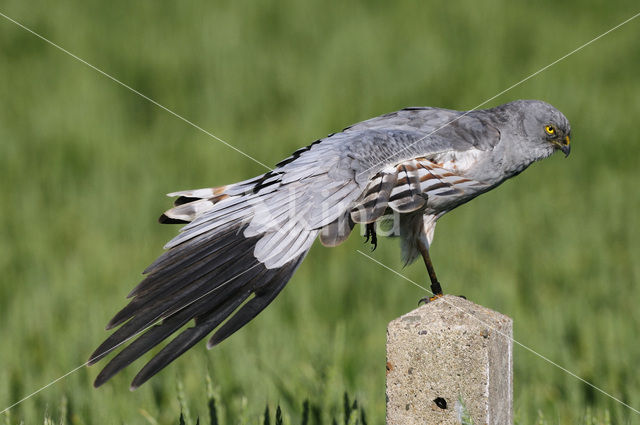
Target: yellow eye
(550, 130)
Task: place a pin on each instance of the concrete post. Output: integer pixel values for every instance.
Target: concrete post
(447, 360)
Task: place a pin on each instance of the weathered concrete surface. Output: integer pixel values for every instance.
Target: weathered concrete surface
(445, 351)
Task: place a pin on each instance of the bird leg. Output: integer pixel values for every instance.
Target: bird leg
(371, 233)
(436, 289)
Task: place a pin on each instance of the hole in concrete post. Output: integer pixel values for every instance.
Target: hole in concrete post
(440, 402)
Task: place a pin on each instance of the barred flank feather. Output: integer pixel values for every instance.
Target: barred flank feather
(407, 187)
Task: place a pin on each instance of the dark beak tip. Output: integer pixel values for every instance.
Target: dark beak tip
(565, 148)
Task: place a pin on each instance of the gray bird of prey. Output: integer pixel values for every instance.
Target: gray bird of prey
(244, 241)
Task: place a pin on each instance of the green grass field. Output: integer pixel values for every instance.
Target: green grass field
(85, 164)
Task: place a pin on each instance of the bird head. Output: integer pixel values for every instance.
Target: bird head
(546, 127)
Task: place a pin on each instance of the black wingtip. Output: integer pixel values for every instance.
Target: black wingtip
(102, 377)
(164, 219)
(142, 377)
(96, 356)
(97, 383)
(93, 359)
(100, 353)
(123, 315)
(213, 341)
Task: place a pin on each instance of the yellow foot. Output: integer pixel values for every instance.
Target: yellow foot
(435, 297)
(429, 299)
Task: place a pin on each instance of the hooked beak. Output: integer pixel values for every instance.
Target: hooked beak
(564, 146)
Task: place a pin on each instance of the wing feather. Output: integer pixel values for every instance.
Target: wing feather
(243, 241)
(336, 232)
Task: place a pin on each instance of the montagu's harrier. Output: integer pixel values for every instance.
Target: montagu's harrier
(243, 241)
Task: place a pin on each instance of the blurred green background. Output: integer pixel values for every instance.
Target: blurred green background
(85, 164)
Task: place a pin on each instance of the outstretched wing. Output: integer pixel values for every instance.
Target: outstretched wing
(244, 241)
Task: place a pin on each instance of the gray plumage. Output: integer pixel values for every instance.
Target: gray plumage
(244, 241)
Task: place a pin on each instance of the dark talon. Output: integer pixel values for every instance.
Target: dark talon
(463, 297)
(371, 233)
